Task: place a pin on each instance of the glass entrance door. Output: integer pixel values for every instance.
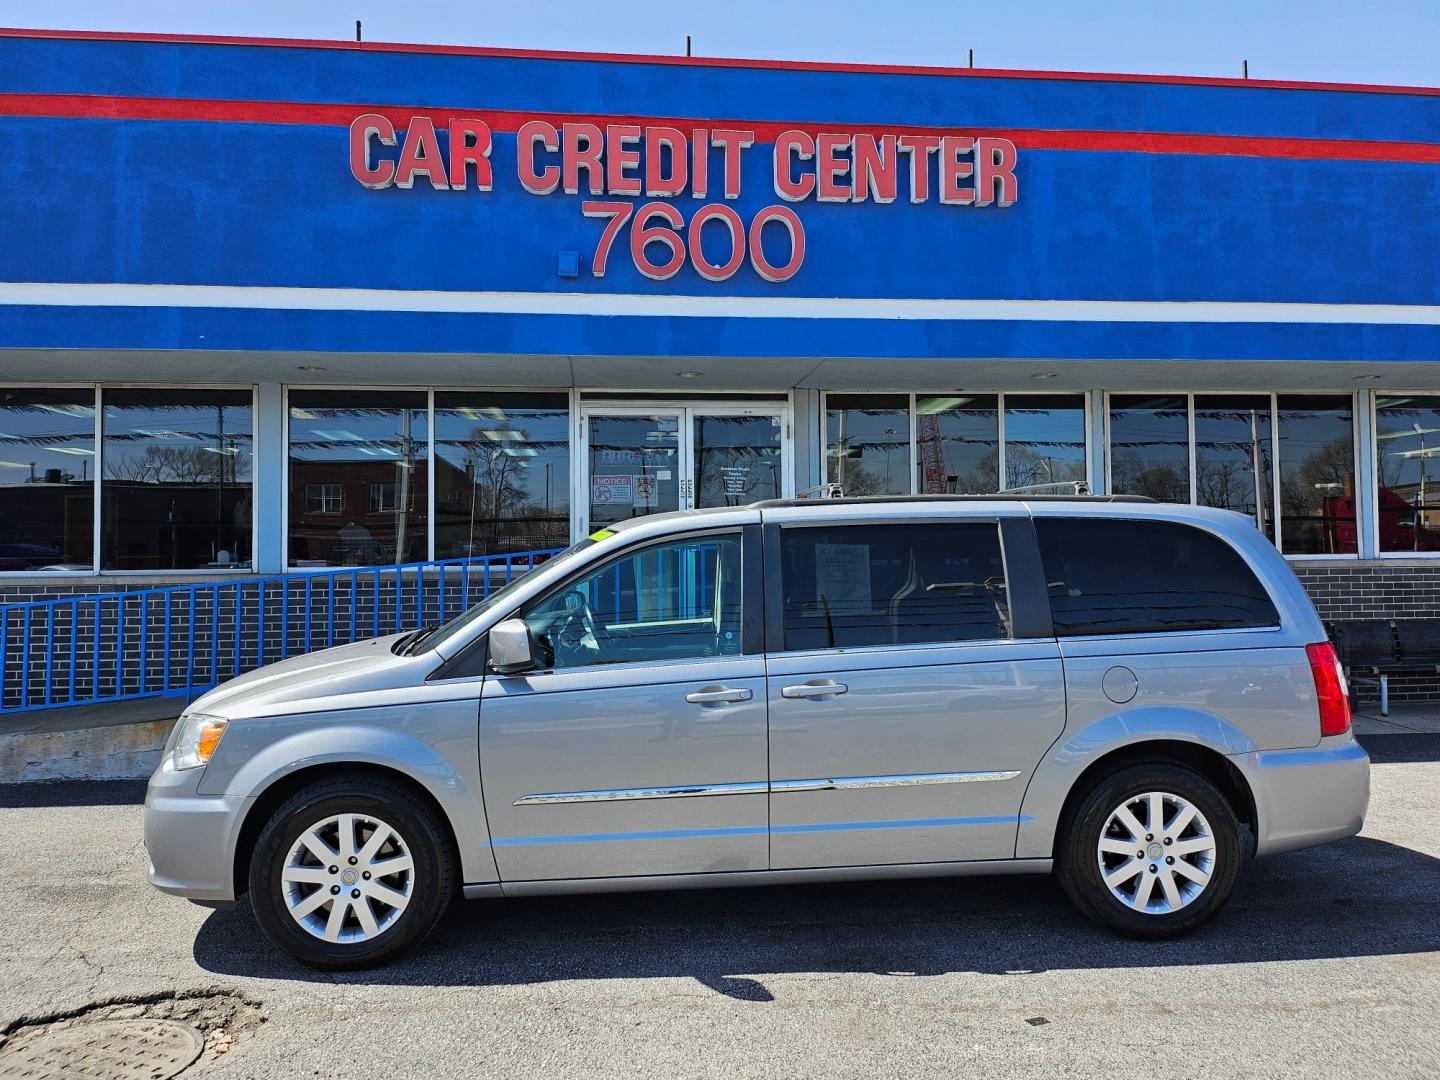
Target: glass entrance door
(639, 460)
(633, 465)
(737, 457)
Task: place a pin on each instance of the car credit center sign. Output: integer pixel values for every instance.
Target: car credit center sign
(835, 168)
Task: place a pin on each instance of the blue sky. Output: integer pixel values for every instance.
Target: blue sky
(1390, 41)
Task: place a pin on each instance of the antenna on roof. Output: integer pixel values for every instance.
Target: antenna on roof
(972, 57)
(1244, 69)
(687, 44)
(357, 29)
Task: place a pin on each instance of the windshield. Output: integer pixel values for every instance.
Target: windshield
(500, 596)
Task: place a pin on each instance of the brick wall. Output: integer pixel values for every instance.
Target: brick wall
(227, 629)
(1379, 590)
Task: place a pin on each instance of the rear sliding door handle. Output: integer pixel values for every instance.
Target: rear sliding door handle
(816, 689)
(718, 695)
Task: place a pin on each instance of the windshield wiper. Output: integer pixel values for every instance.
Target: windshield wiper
(406, 646)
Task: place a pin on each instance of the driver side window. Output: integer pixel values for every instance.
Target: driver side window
(675, 600)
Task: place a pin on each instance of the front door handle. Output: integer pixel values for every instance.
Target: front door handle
(817, 688)
(718, 695)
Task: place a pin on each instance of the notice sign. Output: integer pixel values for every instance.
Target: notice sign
(605, 490)
(842, 574)
(645, 491)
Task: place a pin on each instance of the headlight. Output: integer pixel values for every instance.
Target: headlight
(196, 739)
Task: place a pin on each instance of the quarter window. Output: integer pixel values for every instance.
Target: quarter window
(1108, 576)
(857, 585)
(678, 600)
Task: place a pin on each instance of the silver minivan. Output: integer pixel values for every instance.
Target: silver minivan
(1138, 697)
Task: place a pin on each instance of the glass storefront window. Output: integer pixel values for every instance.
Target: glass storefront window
(1317, 474)
(1407, 441)
(867, 443)
(47, 479)
(371, 445)
(1150, 446)
(177, 468)
(1044, 439)
(1232, 456)
(502, 473)
(957, 444)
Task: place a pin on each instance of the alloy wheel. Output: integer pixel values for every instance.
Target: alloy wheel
(1156, 852)
(348, 878)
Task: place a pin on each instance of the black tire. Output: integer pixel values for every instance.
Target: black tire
(432, 884)
(1078, 858)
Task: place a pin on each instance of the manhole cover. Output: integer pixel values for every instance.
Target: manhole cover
(123, 1049)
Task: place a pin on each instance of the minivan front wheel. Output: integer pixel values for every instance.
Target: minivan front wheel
(350, 872)
(1153, 851)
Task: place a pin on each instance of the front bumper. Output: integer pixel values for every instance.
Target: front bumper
(191, 838)
(1310, 796)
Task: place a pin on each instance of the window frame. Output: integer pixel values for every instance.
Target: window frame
(1018, 558)
(752, 597)
(98, 436)
(1363, 515)
(1083, 399)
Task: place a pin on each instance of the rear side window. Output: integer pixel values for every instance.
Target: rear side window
(854, 585)
(1145, 577)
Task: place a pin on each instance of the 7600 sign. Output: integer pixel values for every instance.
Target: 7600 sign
(658, 225)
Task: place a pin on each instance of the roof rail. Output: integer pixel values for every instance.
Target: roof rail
(858, 500)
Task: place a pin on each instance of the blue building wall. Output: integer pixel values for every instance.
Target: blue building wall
(247, 201)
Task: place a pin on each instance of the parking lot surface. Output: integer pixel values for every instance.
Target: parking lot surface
(1325, 963)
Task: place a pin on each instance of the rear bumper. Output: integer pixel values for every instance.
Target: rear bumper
(1310, 796)
(191, 838)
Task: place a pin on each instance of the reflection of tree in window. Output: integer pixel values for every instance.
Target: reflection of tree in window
(1150, 447)
(502, 464)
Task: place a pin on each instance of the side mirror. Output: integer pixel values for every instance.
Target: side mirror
(510, 651)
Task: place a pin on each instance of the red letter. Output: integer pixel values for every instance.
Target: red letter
(919, 147)
(583, 145)
(531, 133)
(996, 161)
(617, 212)
(732, 142)
(731, 220)
(786, 217)
(700, 167)
(642, 236)
(618, 159)
(470, 144)
(421, 154)
(362, 130)
(802, 146)
(830, 168)
(656, 183)
(953, 170)
(876, 168)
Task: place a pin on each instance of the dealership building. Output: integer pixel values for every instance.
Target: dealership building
(272, 306)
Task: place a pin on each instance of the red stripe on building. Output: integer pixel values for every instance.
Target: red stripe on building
(81, 106)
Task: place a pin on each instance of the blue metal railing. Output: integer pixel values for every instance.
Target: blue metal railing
(181, 640)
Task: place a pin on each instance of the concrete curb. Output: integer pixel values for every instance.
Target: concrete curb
(113, 752)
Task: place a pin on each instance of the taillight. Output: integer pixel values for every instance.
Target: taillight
(1330, 688)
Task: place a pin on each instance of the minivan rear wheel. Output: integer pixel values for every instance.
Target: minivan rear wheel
(1152, 851)
(350, 872)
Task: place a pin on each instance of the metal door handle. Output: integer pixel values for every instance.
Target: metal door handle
(819, 688)
(717, 695)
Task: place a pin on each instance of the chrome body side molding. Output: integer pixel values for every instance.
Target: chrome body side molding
(838, 783)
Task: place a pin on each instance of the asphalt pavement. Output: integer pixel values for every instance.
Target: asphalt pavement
(1326, 963)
